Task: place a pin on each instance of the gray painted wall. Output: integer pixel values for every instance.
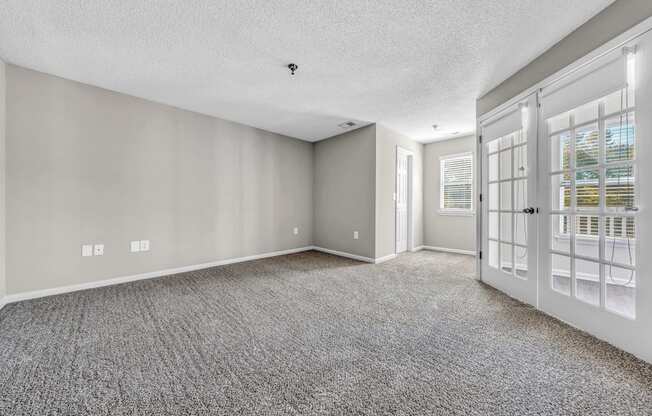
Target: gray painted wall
(3, 91)
(354, 186)
(609, 23)
(86, 165)
(447, 231)
(386, 142)
(344, 192)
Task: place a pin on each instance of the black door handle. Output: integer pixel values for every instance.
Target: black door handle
(529, 210)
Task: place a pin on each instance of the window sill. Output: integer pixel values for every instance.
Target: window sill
(457, 213)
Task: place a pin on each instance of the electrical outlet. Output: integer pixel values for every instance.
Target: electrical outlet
(144, 245)
(87, 250)
(134, 246)
(98, 250)
(355, 235)
(296, 231)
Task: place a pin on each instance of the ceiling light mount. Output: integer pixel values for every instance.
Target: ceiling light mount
(293, 68)
(347, 125)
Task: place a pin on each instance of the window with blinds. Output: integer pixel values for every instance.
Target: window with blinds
(456, 183)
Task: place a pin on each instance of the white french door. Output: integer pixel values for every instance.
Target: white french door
(594, 150)
(509, 148)
(582, 256)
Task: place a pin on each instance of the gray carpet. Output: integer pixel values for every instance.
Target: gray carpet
(308, 334)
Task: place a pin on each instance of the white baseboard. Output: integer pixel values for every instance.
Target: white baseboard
(417, 248)
(449, 250)
(149, 275)
(344, 254)
(355, 256)
(17, 297)
(384, 258)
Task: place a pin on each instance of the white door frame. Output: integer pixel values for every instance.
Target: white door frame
(410, 201)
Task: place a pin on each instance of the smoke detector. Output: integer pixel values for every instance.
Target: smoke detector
(347, 125)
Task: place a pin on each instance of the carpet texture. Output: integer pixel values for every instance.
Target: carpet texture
(305, 334)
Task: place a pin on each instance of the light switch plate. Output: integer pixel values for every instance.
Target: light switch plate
(87, 250)
(296, 230)
(98, 250)
(144, 245)
(134, 246)
(355, 235)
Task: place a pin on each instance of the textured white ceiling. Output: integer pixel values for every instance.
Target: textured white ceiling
(407, 64)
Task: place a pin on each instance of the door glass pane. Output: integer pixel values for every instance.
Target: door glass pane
(520, 161)
(505, 141)
(506, 164)
(586, 236)
(587, 189)
(560, 186)
(620, 187)
(620, 139)
(493, 167)
(621, 290)
(506, 258)
(493, 196)
(520, 228)
(587, 281)
(586, 146)
(520, 194)
(506, 196)
(493, 254)
(492, 146)
(560, 152)
(493, 225)
(620, 240)
(560, 233)
(506, 227)
(560, 273)
(520, 255)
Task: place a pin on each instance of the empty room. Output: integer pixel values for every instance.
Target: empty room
(325, 207)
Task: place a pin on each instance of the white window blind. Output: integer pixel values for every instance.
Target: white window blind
(456, 187)
(585, 86)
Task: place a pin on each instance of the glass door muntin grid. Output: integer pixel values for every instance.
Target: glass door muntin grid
(578, 204)
(506, 158)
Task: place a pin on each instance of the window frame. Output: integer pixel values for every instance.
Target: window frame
(456, 211)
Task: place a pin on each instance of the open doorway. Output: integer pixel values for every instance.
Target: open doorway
(403, 200)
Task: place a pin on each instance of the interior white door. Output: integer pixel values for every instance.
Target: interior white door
(596, 217)
(402, 203)
(509, 213)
